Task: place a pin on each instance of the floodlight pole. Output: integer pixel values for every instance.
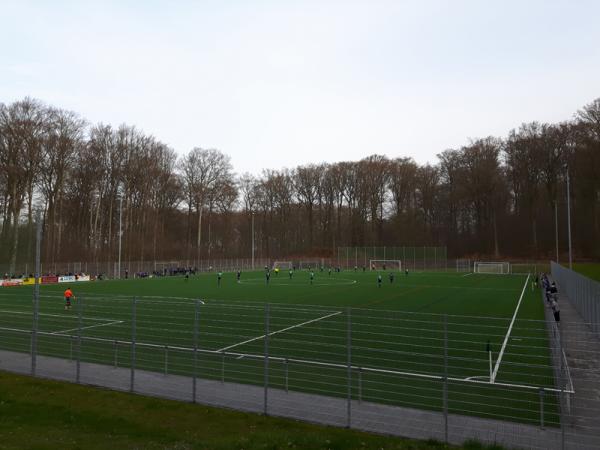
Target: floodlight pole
(569, 219)
(252, 240)
(120, 231)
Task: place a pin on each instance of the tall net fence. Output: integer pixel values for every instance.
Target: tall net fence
(440, 376)
(412, 258)
(112, 269)
(583, 293)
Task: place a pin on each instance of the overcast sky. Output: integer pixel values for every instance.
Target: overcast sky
(279, 83)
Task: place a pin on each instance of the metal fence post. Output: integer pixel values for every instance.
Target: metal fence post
(446, 378)
(133, 333)
(541, 407)
(266, 360)
(563, 424)
(349, 368)
(285, 362)
(359, 384)
(166, 359)
(196, 326)
(36, 295)
(115, 344)
(79, 331)
(222, 367)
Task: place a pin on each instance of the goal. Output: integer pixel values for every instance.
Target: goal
(385, 264)
(310, 264)
(282, 265)
(463, 265)
(499, 268)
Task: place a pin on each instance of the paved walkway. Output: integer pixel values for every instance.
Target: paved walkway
(377, 418)
(582, 350)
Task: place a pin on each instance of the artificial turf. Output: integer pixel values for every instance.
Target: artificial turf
(400, 334)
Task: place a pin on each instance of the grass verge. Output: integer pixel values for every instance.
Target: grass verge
(43, 414)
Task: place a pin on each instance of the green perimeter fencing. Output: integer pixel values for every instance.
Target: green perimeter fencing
(412, 258)
(438, 362)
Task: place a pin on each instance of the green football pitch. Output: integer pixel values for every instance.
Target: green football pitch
(478, 341)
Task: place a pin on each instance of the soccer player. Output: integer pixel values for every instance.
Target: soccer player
(268, 276)
(355, 268)
(364, 269)
(68, 296)
(329, 271)
(239, 275)
(276, 271)
(406, 272)
(555, 311)
(379, 280)
(391, 277)
(219, 276)
(291, 273)
(312, 276)
(187, 276)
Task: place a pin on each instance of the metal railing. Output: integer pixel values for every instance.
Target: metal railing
(379, 366)
(583, 293)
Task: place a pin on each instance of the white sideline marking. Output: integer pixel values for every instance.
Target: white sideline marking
(114, 322)
(278, 331)
(66, 316)
(466, 275)
(512, 322)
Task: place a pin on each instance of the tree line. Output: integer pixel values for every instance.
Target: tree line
(494, 197)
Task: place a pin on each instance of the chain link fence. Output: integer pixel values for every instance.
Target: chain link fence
(583, 293)
(412, 258)
(439, 376)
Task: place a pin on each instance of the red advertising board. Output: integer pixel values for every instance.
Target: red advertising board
(49, 279)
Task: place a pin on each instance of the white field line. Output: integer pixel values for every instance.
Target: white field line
(512, 322)
(278, 331)
(64, 316)
(472, 380)
(466, 275)
(114, 322)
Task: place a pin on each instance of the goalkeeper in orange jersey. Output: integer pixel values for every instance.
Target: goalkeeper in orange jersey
(68, 296)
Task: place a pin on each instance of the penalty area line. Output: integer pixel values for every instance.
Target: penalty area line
(277, 332)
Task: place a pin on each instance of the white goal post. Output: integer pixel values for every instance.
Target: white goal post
(464, 265)
(385, 264)
(496, 268)
(282, 265)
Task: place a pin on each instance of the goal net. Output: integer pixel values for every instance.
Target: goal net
(309, 264)
(463, 265)
(500, 268)
(282, 265)
(385, 264)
